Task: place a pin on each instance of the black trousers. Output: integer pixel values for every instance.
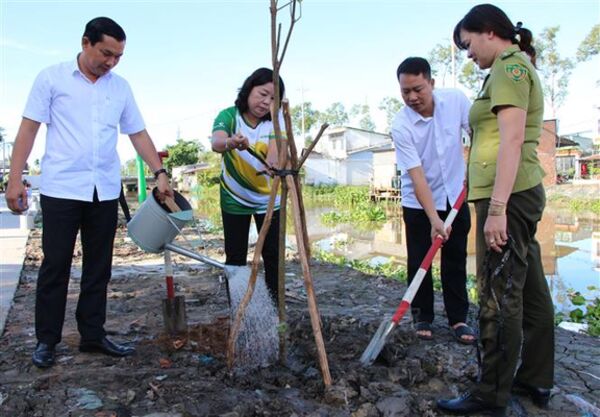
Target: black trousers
(236, 229)
(520, 336)
(62, 219)
(453, 263)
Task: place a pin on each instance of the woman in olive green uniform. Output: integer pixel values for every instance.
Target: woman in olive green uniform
(505, 184)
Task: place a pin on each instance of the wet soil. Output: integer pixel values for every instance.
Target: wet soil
(188, 376)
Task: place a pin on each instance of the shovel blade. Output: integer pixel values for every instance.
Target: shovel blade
(377, 342)
(174, 315)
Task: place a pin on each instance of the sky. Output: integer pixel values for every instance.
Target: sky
(186, 59)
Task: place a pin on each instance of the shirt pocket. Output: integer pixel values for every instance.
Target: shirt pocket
(481, 174)
(113, 109)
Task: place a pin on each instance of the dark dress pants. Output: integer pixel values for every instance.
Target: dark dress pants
(453, 263)
(62, 219)
(236, 228)
(523, 327)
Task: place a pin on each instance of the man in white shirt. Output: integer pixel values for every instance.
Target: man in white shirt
(427, 136)
(82, 103)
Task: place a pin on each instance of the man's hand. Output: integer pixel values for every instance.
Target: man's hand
(164, 187)
(16, 196)
(437, 229)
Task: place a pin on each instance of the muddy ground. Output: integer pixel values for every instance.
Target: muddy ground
(167, 378)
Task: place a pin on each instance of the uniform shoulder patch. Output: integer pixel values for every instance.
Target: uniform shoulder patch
(516, 72)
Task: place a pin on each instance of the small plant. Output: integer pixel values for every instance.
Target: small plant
(591, 316)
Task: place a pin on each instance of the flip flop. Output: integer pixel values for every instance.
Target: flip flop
(464, 330)
(424, 326)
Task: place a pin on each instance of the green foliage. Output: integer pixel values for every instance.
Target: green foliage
(209, 206)
(340, 195)
(555, 71)
(585, 205)
(184, 152)
(389, 269)
(576, 204)
(471, 77)
(391, 106)
(590, 46)
(440, 59)
(210, 176)
(298, 113)
(361, 213)
(335, 115)
(591, 315)
(362, 112)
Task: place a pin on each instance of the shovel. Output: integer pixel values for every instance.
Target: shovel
(173, 307)
(378, 341)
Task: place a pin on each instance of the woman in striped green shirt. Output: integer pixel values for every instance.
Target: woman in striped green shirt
(243, 134)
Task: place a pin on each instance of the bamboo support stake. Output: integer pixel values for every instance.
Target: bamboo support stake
(313, 310)
(281, 272)
(287, 118)
(308, 150)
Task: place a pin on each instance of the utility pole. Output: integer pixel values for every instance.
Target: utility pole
(302, 111)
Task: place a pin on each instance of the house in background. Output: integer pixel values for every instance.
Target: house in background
(344, 156)
(186, 176)
(386, 176)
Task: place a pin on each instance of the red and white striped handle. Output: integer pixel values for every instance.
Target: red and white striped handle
(426, 263)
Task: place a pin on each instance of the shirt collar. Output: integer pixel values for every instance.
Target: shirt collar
(75, 69)
(415, 117)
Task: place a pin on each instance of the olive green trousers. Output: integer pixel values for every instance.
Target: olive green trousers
(518, 324)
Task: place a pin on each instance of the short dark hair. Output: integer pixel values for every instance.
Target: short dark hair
(489, 18)
(259, 77)
(96, 28)
(414, 66)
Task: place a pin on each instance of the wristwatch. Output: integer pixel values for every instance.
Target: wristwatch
(160, 171)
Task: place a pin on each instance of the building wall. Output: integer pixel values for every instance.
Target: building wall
(384, 168)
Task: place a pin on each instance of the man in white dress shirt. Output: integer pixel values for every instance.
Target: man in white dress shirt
(427, 136)
(83, 104)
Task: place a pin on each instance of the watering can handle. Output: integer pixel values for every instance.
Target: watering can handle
(124, 205)
(171, 204)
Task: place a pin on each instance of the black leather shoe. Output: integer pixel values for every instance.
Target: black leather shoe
(106, 347)
(539, 396)
(468, 403)
(43, 355)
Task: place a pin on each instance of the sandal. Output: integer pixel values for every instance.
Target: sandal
(464, 330)
(424, 326)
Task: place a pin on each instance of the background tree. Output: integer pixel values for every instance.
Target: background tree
(311, 117)
(590, 46)
(129, 168)
(335, 115)
(184, 152)
(390, 106)
(440, 59)
(471, 77)
(555, 70)
(362, 113)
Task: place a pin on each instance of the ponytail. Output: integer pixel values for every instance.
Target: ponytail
(524, 38)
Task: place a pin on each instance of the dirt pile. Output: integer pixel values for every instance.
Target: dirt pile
(188, 377)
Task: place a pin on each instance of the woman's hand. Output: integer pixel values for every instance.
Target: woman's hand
(239, 142)
(495, 233)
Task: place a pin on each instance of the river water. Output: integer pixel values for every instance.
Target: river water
(570, 247)
(570, 244)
